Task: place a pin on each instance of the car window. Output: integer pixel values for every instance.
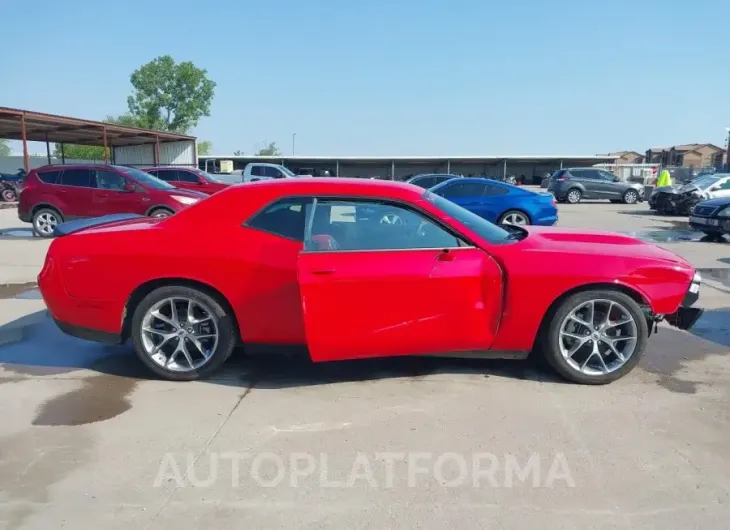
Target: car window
(490, 232)
(49, 177)
(186, 176)
(425, 182)
(607, 175)
(107, 180)
(80, 178)
(168, 175)
(285, 218)
(257, 171)
(270, 171)
(373, 225)
(491, 190)
(145, 178)
(559, 174)
(455, 190)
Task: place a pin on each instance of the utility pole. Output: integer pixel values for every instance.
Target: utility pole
(293, 143)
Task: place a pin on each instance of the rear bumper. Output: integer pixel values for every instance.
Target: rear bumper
(88, 334)
(96, 320)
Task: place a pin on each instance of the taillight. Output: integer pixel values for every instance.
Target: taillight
(561, 179)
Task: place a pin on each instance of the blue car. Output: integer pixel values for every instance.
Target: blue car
(498, 202)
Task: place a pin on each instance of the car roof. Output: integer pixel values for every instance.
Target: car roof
(330, 185)
(74, 166)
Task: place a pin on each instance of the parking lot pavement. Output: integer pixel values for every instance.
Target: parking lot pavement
(87, 440)
(21, 254)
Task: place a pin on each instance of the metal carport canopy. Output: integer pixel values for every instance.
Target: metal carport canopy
(28, 126)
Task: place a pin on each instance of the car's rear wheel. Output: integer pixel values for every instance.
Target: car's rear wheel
(574, 196)
(45, 220)
(595, 337)
(161, 213)
(514, 217)
(631, 197)
(182, 333)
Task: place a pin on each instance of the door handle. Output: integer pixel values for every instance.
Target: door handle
(445, 255)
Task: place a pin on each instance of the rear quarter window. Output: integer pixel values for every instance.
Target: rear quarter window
(49, 177)
(559, 173)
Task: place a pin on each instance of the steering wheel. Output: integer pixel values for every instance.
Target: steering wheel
(392, 219)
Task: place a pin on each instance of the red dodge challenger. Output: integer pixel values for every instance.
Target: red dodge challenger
(354, 268)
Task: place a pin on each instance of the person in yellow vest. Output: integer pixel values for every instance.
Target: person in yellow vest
(664, 179)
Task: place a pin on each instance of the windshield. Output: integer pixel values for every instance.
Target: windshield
(705, 182)
(487, 230)
(287, 171)
(207, 176)
(145, 178)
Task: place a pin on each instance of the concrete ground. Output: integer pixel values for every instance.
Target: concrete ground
(88, 441)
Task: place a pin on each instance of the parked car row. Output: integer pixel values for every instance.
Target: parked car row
(287, 256)
(572, 185)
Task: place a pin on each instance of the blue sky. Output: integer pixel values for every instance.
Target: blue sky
(400, 77)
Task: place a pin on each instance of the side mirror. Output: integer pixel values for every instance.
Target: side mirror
(129, 188)
(201, 182)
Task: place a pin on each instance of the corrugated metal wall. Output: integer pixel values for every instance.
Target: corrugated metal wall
(178, 153)
(135, 155)
(171, 154)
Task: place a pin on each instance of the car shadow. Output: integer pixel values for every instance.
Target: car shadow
(18, 232)
(34, 346)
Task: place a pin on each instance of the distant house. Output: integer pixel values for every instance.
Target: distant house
(687, 155)
(627, 157)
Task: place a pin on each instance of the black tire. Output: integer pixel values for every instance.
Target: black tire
(39, 221)
(631, 197)
(573, 196)
(227, 340)
(161, 213)
(514, 212)
(9, 195)
(549, 340)
(615, 201)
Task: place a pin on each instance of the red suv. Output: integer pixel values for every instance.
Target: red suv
(54, 194)
(188, 178)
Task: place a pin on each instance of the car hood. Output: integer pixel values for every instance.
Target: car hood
(716, 203)
(597, 243)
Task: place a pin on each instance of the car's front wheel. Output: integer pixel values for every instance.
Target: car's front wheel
(161, 213)
(631, 197)
(45, 221)
(594, 337)
(182, 333)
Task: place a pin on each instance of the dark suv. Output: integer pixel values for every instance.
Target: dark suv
(188, 178)
(574, 184)
(54, 194)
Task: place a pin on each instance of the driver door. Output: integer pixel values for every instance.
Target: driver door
(393, 283)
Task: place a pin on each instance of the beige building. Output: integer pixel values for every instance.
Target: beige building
(688, 155)
(627, 157)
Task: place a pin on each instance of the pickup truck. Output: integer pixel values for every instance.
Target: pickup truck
(262, 171)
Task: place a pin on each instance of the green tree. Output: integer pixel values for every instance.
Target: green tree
(79, 152)
(269, 150)
(126, 120)
(205, 147)
(4, 148)
(238, 153)
(169, 96)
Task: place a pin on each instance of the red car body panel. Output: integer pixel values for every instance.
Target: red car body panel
(347, 304)
(76, 202)
(202, 182)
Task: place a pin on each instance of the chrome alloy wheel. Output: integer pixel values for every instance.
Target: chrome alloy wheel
(574, 197)
(45, 223)
(598, 337)
(515, 218)
(179, 334)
